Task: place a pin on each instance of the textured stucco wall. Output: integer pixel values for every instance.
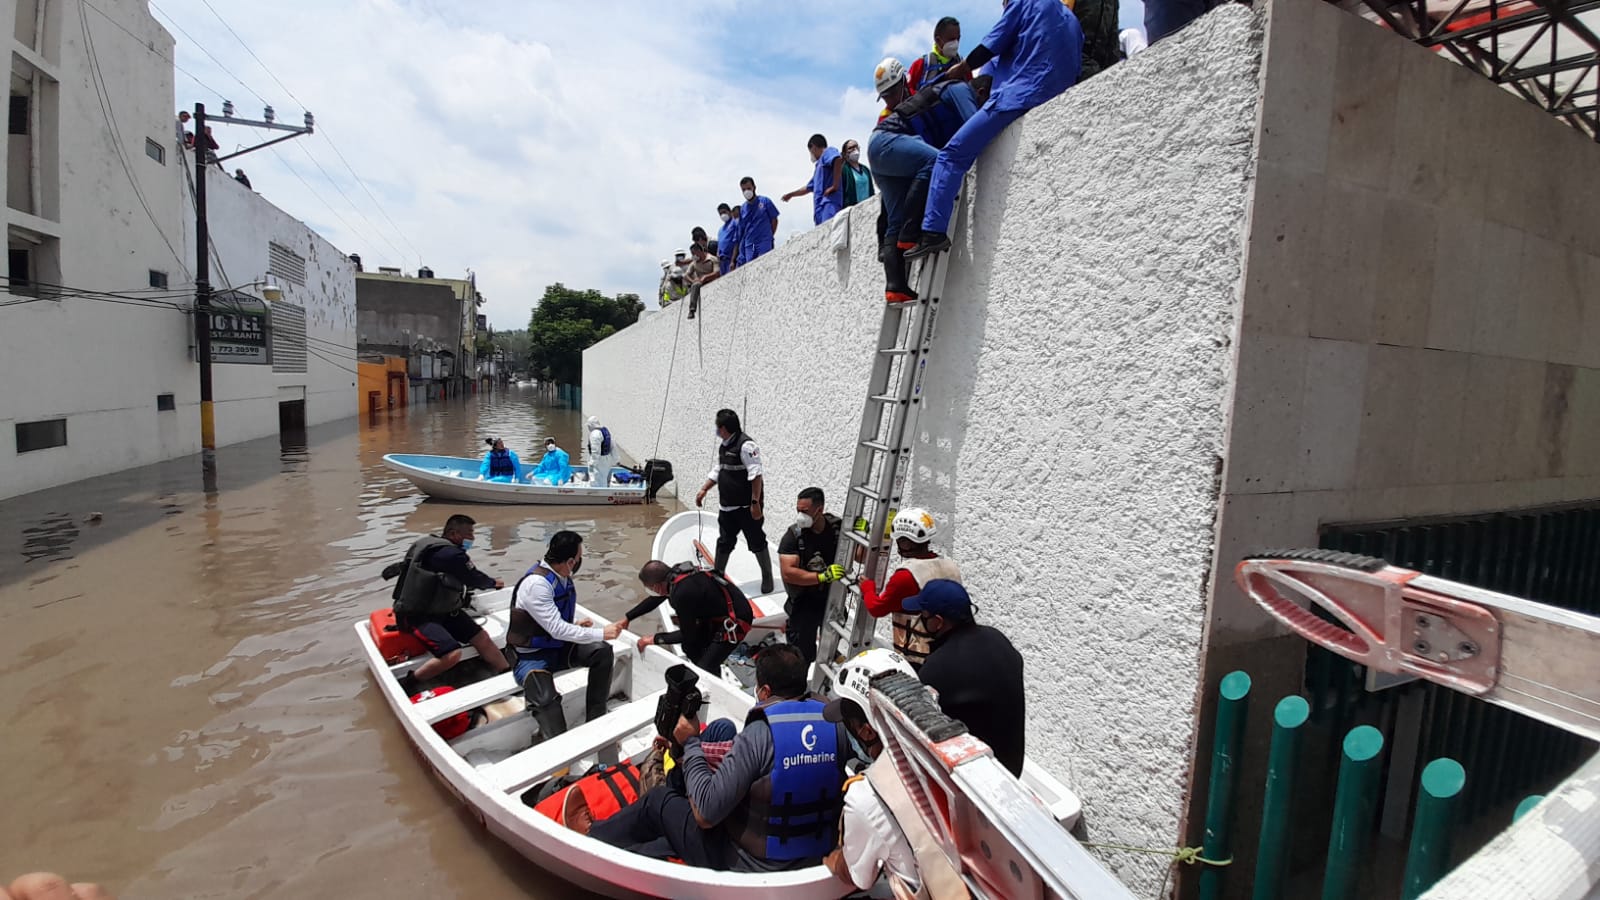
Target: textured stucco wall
(1075, 422)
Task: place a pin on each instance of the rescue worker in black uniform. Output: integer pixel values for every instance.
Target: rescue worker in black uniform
(740, 492)
(436, 578)
(713, 614)
(806, 558)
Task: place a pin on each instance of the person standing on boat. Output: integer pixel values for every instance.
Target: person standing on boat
(912, 531)
(500, 464)
(543, 639)
(431, 596)
(601, 450)
(773, 804)
(737, 476)
(713, 614)
(975, 669)
(806, 555)
(554, 467)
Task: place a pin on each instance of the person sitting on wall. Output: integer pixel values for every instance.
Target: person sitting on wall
(554, 467)
(500, 464)
(773, 804)
(1037, 51)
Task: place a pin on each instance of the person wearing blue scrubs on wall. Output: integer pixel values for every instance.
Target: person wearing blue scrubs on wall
(727, 239)
(1037, 51)
(758, 222)
(826, 187)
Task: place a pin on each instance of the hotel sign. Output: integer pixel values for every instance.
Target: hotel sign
(238, 329)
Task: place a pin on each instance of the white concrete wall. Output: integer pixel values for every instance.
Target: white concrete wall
(102, 364)
(1076, 399)
(241, 224)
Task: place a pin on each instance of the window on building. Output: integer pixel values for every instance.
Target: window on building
(155, 151)
(158, 279)
(43, 435)
(165, 403)
(19, 270)
(19, 114)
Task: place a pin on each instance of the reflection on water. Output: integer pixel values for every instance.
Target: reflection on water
(186, 714)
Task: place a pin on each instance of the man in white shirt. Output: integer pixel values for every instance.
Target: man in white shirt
(542, 638)
(600, 450)
(740, 491)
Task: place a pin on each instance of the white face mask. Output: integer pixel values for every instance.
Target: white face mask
(749, 194)
(726, 218)
(803, 522)
(853, 156)
(950, 49)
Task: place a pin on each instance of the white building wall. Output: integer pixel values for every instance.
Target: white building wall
(1075, 417)
(241, 224)
(97, 363)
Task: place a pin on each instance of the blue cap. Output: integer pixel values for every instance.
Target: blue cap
(941, 597)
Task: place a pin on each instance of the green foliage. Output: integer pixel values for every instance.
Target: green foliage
(515, 345)
(566, 322)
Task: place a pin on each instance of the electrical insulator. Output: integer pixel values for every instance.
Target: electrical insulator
(310, 122)
(268, 114)
(227, 108)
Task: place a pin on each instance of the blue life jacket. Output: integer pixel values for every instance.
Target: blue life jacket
(793, 810)
(605, 441)
(500, 464)
(566, 600)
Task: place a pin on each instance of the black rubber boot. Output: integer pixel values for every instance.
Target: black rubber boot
(539, 690)
(916, 204)
(765, 562)
(895, 287)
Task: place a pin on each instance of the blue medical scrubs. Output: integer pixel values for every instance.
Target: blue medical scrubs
(755, 228)
(1038, 52)
(825, 206)
(899, 158)
(728, 245)
(553, 468)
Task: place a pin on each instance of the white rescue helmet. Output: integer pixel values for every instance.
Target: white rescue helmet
(914, 524)
(855, 677)
(888, 74)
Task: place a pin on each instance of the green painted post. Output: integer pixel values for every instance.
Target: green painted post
(1429, 857)
(1527, 804)
(1225, 748)
(1272, 853)
(1355, 799)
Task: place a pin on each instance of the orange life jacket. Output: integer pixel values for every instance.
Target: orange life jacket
(605, 792)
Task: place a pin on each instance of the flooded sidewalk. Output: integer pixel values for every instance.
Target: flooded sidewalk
(185, 712)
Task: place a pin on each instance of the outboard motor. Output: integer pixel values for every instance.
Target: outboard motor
(657, 473)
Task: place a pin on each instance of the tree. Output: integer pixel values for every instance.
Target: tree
(515, 346)
(566, 322)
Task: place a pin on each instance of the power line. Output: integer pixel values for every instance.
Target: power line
(375, 229)
(318, 194)
(384, 212)
(142, 42)
(168, 16)
(106, 110)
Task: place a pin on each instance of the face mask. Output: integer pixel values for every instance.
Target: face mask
(466, 544)
(856, 745)
(950, 49)
(803, 522)
(749, 194)
(853, 156)
(576, 565)
(549, 447)
(726, 218)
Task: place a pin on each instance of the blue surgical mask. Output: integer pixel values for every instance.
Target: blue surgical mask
(856, 745)
(466, 544)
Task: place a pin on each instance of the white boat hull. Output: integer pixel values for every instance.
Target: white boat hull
(488, 770)
(676, 542)
(456, 478)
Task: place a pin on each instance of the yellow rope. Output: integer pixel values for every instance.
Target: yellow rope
(1185, 855)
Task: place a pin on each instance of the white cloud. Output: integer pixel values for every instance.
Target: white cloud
(910, 42)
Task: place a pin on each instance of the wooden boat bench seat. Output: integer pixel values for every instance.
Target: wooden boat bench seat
(548, 757)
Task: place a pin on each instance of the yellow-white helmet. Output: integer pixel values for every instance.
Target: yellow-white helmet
(915, 524)
(888, 74)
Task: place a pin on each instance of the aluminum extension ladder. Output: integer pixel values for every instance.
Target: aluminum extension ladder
(883, 452)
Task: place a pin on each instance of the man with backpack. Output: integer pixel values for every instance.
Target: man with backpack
(713, 614)
(601, 450)
(430, 598)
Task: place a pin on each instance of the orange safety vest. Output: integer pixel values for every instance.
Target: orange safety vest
(605, 792)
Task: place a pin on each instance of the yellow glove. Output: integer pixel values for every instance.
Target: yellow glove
(831, 573)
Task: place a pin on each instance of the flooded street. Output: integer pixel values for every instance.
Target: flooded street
(185, 711)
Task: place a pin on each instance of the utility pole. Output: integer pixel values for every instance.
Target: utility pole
(202, 253)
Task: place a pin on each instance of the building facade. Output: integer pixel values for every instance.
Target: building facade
(95, 316)
(431, 322)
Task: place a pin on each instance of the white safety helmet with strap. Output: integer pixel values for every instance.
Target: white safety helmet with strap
(888, 74)
(854, 680)
(915, 524)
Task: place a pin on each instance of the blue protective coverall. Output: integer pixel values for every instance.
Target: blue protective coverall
(906, 142)
(1037, 51)
(728, 245)
(553, 468)
(485, 470)
(756, 218)
(824, 205)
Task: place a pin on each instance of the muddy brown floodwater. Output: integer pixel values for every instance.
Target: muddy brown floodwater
(185, 712)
